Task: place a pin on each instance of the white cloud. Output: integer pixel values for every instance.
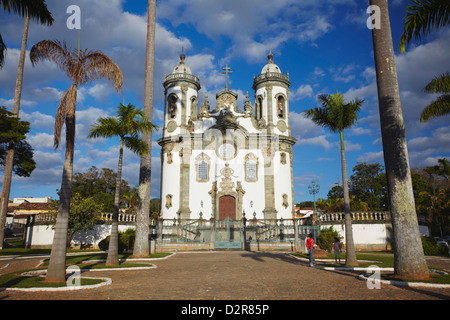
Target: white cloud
(302, 92)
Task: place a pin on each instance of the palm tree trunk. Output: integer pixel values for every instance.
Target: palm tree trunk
(57, 266)
(141, 244)
(409, 260)
(113, 248)
(10, 156)
(349, 245)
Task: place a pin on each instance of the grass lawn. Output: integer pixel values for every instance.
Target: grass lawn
(382, 259)
(14, 280)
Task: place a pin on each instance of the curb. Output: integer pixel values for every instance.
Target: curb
(407, 284)
(106, 282)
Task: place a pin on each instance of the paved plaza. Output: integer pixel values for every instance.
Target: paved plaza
(228, 275)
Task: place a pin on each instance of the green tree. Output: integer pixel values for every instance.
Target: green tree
(36, 10)
(80, 67)
(13, 132)
(98, 184)
(409, 260)
(337, 115)
(364, 184)
(141, 246)
(83, 215)
(129, 124)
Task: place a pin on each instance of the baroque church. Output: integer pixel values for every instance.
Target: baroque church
(222, 161)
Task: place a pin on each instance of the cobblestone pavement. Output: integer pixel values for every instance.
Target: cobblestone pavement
(228, 275)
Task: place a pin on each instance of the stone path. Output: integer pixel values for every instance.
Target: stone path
(229, 275)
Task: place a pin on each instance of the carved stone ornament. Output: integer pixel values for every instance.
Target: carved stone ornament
(171, 126)
(168, 201)
(281, 125)
(285, 200)
(227, 184)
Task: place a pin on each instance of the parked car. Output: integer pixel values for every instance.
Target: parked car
(447, 239)
(441, 242)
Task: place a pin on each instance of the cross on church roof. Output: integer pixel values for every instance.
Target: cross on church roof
(226, 72)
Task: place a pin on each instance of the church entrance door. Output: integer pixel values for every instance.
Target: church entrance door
(227, 207)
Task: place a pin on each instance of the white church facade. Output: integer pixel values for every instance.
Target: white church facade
(221, 161)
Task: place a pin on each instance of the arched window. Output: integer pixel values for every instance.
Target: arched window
(202, 162)
(259, 103)
(281, 107)
(202, 170)
(172, 106)
(251, 168)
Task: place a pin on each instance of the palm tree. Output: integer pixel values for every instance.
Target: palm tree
(337, 115)
(82, 68)
(38, 11)
(34, 9)
(409, 260)
(441, 106)
(141, 245)
(128, 125)
(422, 18)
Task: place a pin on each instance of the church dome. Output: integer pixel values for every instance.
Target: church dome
(270, 66)
(182, 67)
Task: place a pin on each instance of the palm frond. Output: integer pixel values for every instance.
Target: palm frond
(439, 107)
(440, 84)
(105, 128)
(136, 145)
(66, 106)
(2, 52)
(56, 52)
(100, 66)
(37, 10)
(422, 18)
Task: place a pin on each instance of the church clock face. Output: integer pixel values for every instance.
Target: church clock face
(227, 151)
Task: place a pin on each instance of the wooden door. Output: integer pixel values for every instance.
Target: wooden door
(227, 207)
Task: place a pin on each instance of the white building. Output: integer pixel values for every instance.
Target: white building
(223, 161)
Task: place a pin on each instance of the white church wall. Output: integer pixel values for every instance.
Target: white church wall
(254, 191)
(171, 177)
(282, 185)
(198, 193)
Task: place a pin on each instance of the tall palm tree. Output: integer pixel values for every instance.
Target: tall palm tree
(38, 11)
(82, 68)
(440, 106)
(409, 260)
(128, 126)
(338, 115)
(141, 245)
(422, 18)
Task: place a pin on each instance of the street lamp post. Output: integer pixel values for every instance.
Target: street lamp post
(314, 189)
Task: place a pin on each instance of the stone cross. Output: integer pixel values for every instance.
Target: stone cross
(226, 72)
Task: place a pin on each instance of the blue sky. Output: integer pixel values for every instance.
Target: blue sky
(324, 45)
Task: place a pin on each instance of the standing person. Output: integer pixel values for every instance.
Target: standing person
(310, 247)
(337, 250)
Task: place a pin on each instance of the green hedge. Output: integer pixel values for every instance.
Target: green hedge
(126, 241)
(326, 238)
(431, 248)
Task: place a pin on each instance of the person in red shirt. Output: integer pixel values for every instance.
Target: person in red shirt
(310, 247)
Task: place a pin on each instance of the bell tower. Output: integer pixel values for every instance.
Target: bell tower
(181, 98)
(272, 98)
